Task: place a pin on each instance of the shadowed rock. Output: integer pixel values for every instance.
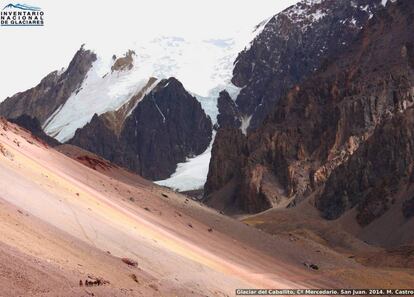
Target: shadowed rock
(167, 126)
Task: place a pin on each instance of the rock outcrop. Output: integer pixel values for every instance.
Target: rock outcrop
(52, 92)
(228, 116)
(123, 63)
(342, 137)
(167, 126)
(33, 125)
(229, 153)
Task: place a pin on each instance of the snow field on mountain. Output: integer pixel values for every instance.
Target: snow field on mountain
(203, 66)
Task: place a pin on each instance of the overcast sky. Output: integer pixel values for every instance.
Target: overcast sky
(27, 54)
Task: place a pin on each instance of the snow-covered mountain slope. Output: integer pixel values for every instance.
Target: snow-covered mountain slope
(98, 94)
(119, 75)
(204, 67)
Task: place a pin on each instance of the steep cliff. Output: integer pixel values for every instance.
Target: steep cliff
(379, 175)
(328, 122)
(52, 92)
(292, 46)
(167, 126)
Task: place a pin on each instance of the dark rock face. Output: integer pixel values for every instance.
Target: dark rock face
(292, 46)
(228, 116)
(43, 100)
(98, 137)
(225, 162)
(33, 125)
(167, 126)
(372, 177)
(408, 208)
(342, 136)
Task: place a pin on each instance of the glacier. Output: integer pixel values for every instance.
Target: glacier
(203, 66)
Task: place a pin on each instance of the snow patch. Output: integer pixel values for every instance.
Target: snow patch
(209, 102)
(203, 66)
(159, 110)
(192, 174)
(384, 2)
(233, 91)
(353, 21)
(318, 15)
(245, 123)
(100, 92)
(61, 71)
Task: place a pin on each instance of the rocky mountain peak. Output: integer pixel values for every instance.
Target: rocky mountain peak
(52, 92)
(160, 130)
(229, 115)
(292, 45)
